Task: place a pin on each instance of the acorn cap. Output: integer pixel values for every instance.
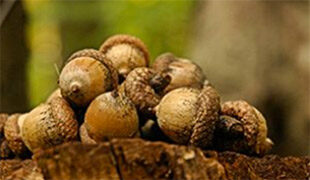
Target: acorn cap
(206, 117)
(49, 124)
(244, 112)
(125, 39)
(13, 135)
(254, 126)
(138, 89)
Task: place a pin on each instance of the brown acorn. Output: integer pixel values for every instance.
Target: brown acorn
(250, 125)
(12, 133)
(86, 74)
(141, 87)
(49, 124)
(183, 72)
(85, 138)
(126, 53)
(189, 115)
(111, 115)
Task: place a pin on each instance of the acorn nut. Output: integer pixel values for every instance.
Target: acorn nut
(183, 72)
(245, 120)
(188, 115)
(85, 138)
(126, 53)
(111, 115)
(86, 75)
(49, 124)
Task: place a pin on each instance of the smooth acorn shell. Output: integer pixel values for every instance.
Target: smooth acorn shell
(111, 115)
(82, 79)
(12, 133)
(126, 53)
(176, 112)
(190, 115)
(183, 72)
(49, 124)
(162, 62)
(85, 138)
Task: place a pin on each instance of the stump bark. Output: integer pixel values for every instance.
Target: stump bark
(138, 159)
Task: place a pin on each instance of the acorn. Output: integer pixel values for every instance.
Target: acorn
(12, 133)
(126, 53)
(49, 124)
(142, 86)
(86, 74)
(85, 138)
(111, 115)
(245, 127)
(189, 115)
(183, 72)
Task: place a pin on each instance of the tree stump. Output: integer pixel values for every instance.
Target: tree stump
(123, 159)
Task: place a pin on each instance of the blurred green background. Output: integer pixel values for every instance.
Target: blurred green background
(58, 28)
(258, 51)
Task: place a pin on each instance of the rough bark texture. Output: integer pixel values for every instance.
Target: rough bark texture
(139, 159)
(20, 170)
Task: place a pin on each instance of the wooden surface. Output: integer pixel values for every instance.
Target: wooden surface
(139, 159)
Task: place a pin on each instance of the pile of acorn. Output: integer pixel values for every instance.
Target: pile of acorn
(114, 93)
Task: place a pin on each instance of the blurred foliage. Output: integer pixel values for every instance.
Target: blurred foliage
(58, 28)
